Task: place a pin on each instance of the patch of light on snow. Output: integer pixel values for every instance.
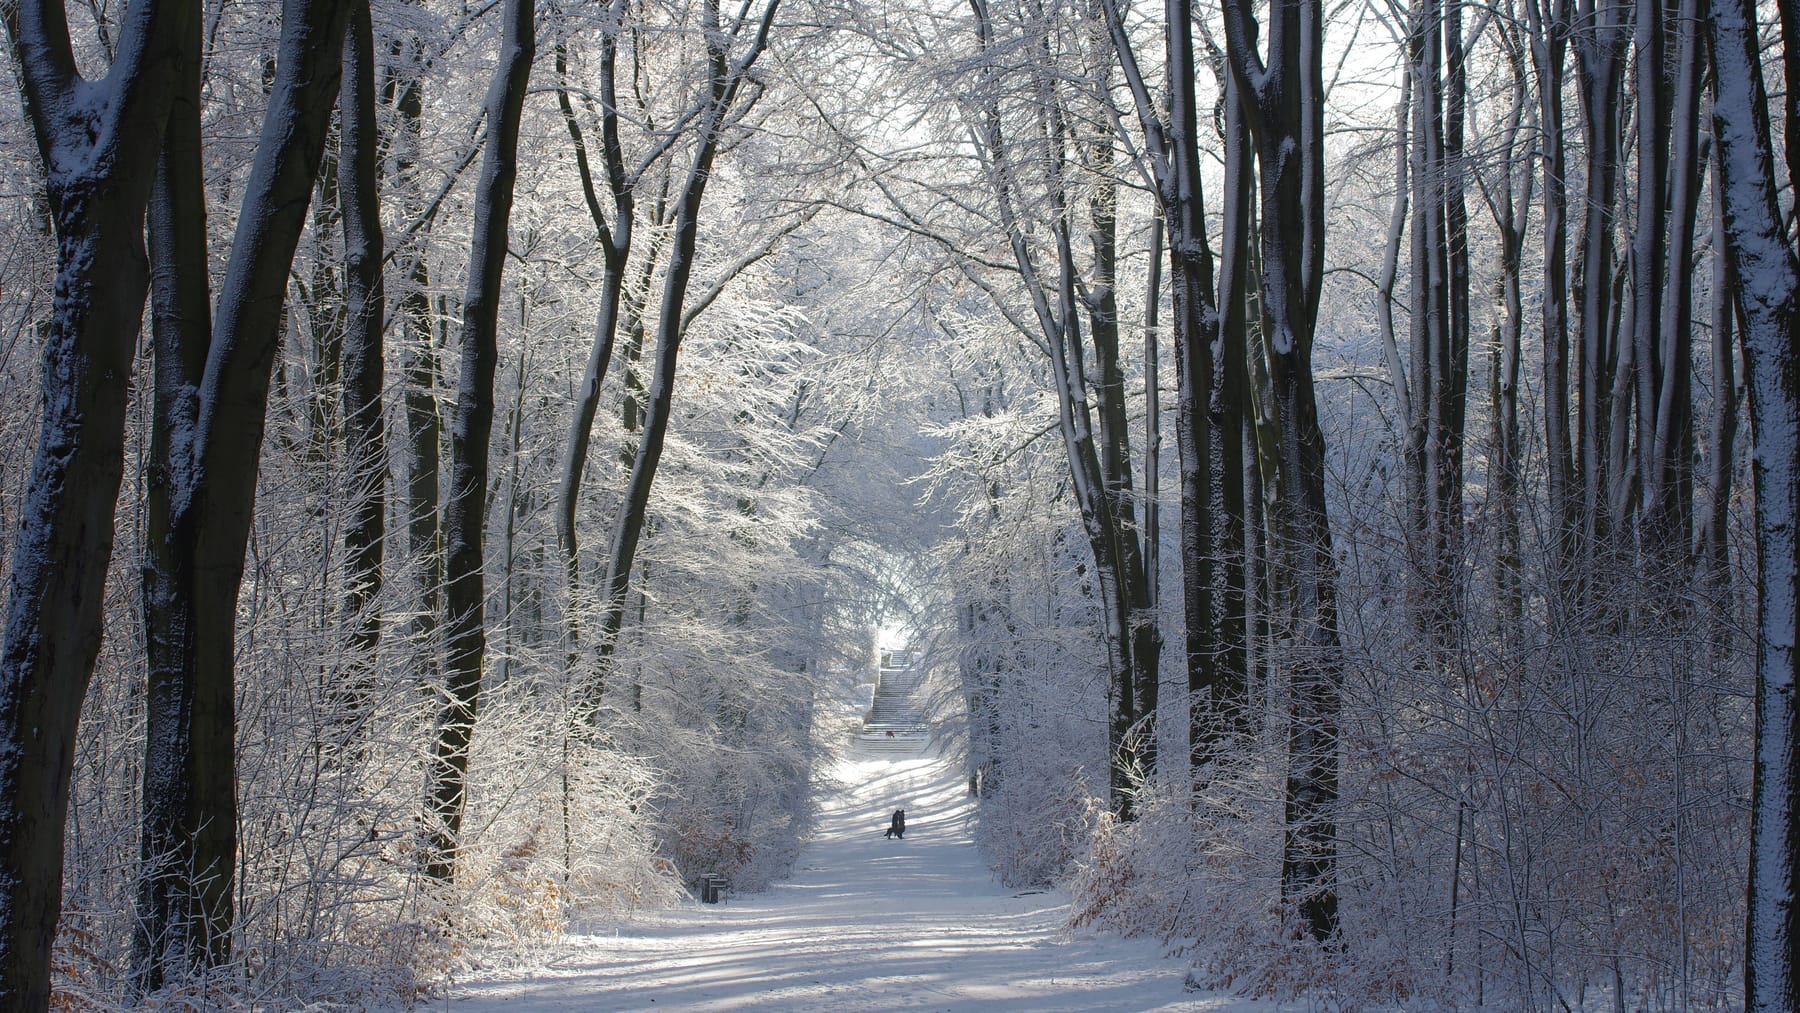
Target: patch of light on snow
(866, 924)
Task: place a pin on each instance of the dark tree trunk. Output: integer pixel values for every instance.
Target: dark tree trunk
(1438, 385)
(1192, 316)
(98, 184)
(464, 521)
(1668, 188)
(1153, 422)
(1112, 435)
(1450, 411)
(1649, 251)
(365, 434)
(1430, 316)
(1768, 292)
(1512, 206)
(1229, 722)
(1405, 374)
(1601, 45)
(189, 843)
(1131, 642)
(1134, 690)
(615, 248)
(424, 437)
(1549, 24)
(181, 330)
(724, 81)
(324, 301)
(1713, 528)
(418, 362)
(1209, 344)
(1285, 100)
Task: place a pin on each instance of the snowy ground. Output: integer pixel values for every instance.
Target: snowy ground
(865, 923)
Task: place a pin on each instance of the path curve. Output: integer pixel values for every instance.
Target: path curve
(864, 924)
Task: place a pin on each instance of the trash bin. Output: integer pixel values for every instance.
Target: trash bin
(711, 885)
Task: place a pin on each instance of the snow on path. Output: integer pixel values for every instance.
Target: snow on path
(865, 923)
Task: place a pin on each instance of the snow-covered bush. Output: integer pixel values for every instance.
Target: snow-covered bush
(1034, 825)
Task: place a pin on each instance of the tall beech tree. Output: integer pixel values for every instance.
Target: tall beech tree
(1282, 90)
(614, 232)
(1670, 74)
(364, 319)
(211, 398)
(1711, 526)
(729, 86)
(1436, 390)
(403, 90)
(1601, 36)
(1509, 200)
(1030, 170)
(1549, 23)
(1105, 383)
(471, 426)
(1232, 455)
(1209, 336)
(1768, 294)
(99, 142)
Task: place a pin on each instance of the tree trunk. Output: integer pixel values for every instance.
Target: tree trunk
(418, 363)
(1229, 724)
(1450, 380)
(324, 301)
(1505, 456)
(1601, 45)
(1769, 294)
(1096, 473)
(1285, 100)
(189, 842)
(1549, 25)
(1431, 321)
(724, 80)
(181, 330)
(1664, 343)
(1438, 385)
(615, 249)
(465, 589)
(1209, 344)
(365, 433)
(1403, 375)
(1211, 694)
(1113, 438)
(1153, 423)
(98, 180)
(1450, 412)
(1713, 528)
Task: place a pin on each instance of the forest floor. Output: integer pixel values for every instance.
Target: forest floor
(865, 923)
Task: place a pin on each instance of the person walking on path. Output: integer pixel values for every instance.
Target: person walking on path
(897, 826)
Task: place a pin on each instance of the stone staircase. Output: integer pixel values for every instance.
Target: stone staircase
(896, 721)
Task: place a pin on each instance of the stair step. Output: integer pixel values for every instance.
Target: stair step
(896, 720)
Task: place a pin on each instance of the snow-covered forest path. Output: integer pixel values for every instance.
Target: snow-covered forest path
(865, 923)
